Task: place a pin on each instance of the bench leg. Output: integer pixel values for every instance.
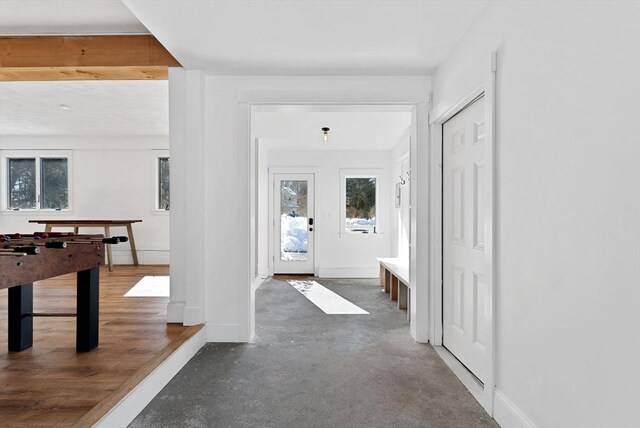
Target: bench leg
(88, 285)
(387, 280)
(393, 295)
(382, 271)
(20, 319)
(402, 295)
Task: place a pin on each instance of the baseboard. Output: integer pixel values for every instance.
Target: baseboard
(145, 257)
(192, 315)
(362, 271)
(224, 333)
(259, 279)
(507, 414)
(123, 413)
(175, 312)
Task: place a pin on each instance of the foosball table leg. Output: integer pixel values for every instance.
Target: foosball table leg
(20, 319)
(87, 309)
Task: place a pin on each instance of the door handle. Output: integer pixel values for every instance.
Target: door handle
(310, 222)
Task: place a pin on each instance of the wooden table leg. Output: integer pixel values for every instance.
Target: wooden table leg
(20, 319)
(132, 242)
(48, 227)
(107, 233)
(76, 230)
(88, 283)
(382, 269)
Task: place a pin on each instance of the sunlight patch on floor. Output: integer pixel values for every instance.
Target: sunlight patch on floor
(150, 286)
(328, 301)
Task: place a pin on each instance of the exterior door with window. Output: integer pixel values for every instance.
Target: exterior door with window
(465, 302)
(293, 224)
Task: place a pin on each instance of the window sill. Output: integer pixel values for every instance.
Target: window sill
(35, 212)
(378, 235)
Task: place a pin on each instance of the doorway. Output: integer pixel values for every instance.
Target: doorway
(462, 280)
(293, 237)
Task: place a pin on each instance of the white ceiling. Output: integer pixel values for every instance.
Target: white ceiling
(27, 17)
(404, 37)
(301, 130)
(116, 107)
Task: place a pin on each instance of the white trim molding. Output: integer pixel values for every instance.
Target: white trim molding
(351, 271)
(508, 414)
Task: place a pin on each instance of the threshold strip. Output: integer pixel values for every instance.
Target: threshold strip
(325, 299)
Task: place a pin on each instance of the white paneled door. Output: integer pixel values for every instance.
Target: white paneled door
(465, 304)
(293, 223)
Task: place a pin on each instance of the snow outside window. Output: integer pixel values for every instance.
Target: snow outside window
(360, 195)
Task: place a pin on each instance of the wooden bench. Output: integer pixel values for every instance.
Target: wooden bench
(394, 279)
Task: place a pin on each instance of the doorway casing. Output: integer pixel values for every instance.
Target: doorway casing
(419, 325)
(483, 393)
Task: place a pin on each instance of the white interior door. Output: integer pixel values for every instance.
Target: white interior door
(293, 223)
(465, 305)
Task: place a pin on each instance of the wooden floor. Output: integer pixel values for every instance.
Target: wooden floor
(52, 385)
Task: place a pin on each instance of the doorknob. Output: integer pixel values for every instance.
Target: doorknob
(311, 229)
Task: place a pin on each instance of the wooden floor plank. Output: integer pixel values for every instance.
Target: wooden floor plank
(52, 385)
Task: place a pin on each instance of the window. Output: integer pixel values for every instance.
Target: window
(36, 182)
(359, 203)
(163, 183)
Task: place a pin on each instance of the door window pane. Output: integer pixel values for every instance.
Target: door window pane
(293, 220)
(54, 185)
(163, 183)
(22, 183)
(360, 210)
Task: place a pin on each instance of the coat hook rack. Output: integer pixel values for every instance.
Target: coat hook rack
(402, 182)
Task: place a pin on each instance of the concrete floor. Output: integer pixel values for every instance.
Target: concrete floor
(309, 369)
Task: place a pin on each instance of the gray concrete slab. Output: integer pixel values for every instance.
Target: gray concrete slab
(310, 369)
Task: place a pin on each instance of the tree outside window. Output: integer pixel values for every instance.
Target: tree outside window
(38, 183)
(163, 183)
(360, 209)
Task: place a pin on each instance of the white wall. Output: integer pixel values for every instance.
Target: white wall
(341, 255)
(568, 205)
(400, 220)
(111, 178)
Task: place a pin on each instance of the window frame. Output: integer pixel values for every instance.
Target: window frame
(156, 155)
(359, 173)
(38, 155)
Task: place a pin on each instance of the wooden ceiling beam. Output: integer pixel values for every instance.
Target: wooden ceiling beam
(83, 58)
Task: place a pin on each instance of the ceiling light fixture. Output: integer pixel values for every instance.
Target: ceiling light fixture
(325, 135)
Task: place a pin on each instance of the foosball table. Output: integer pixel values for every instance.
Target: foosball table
(25, 259)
